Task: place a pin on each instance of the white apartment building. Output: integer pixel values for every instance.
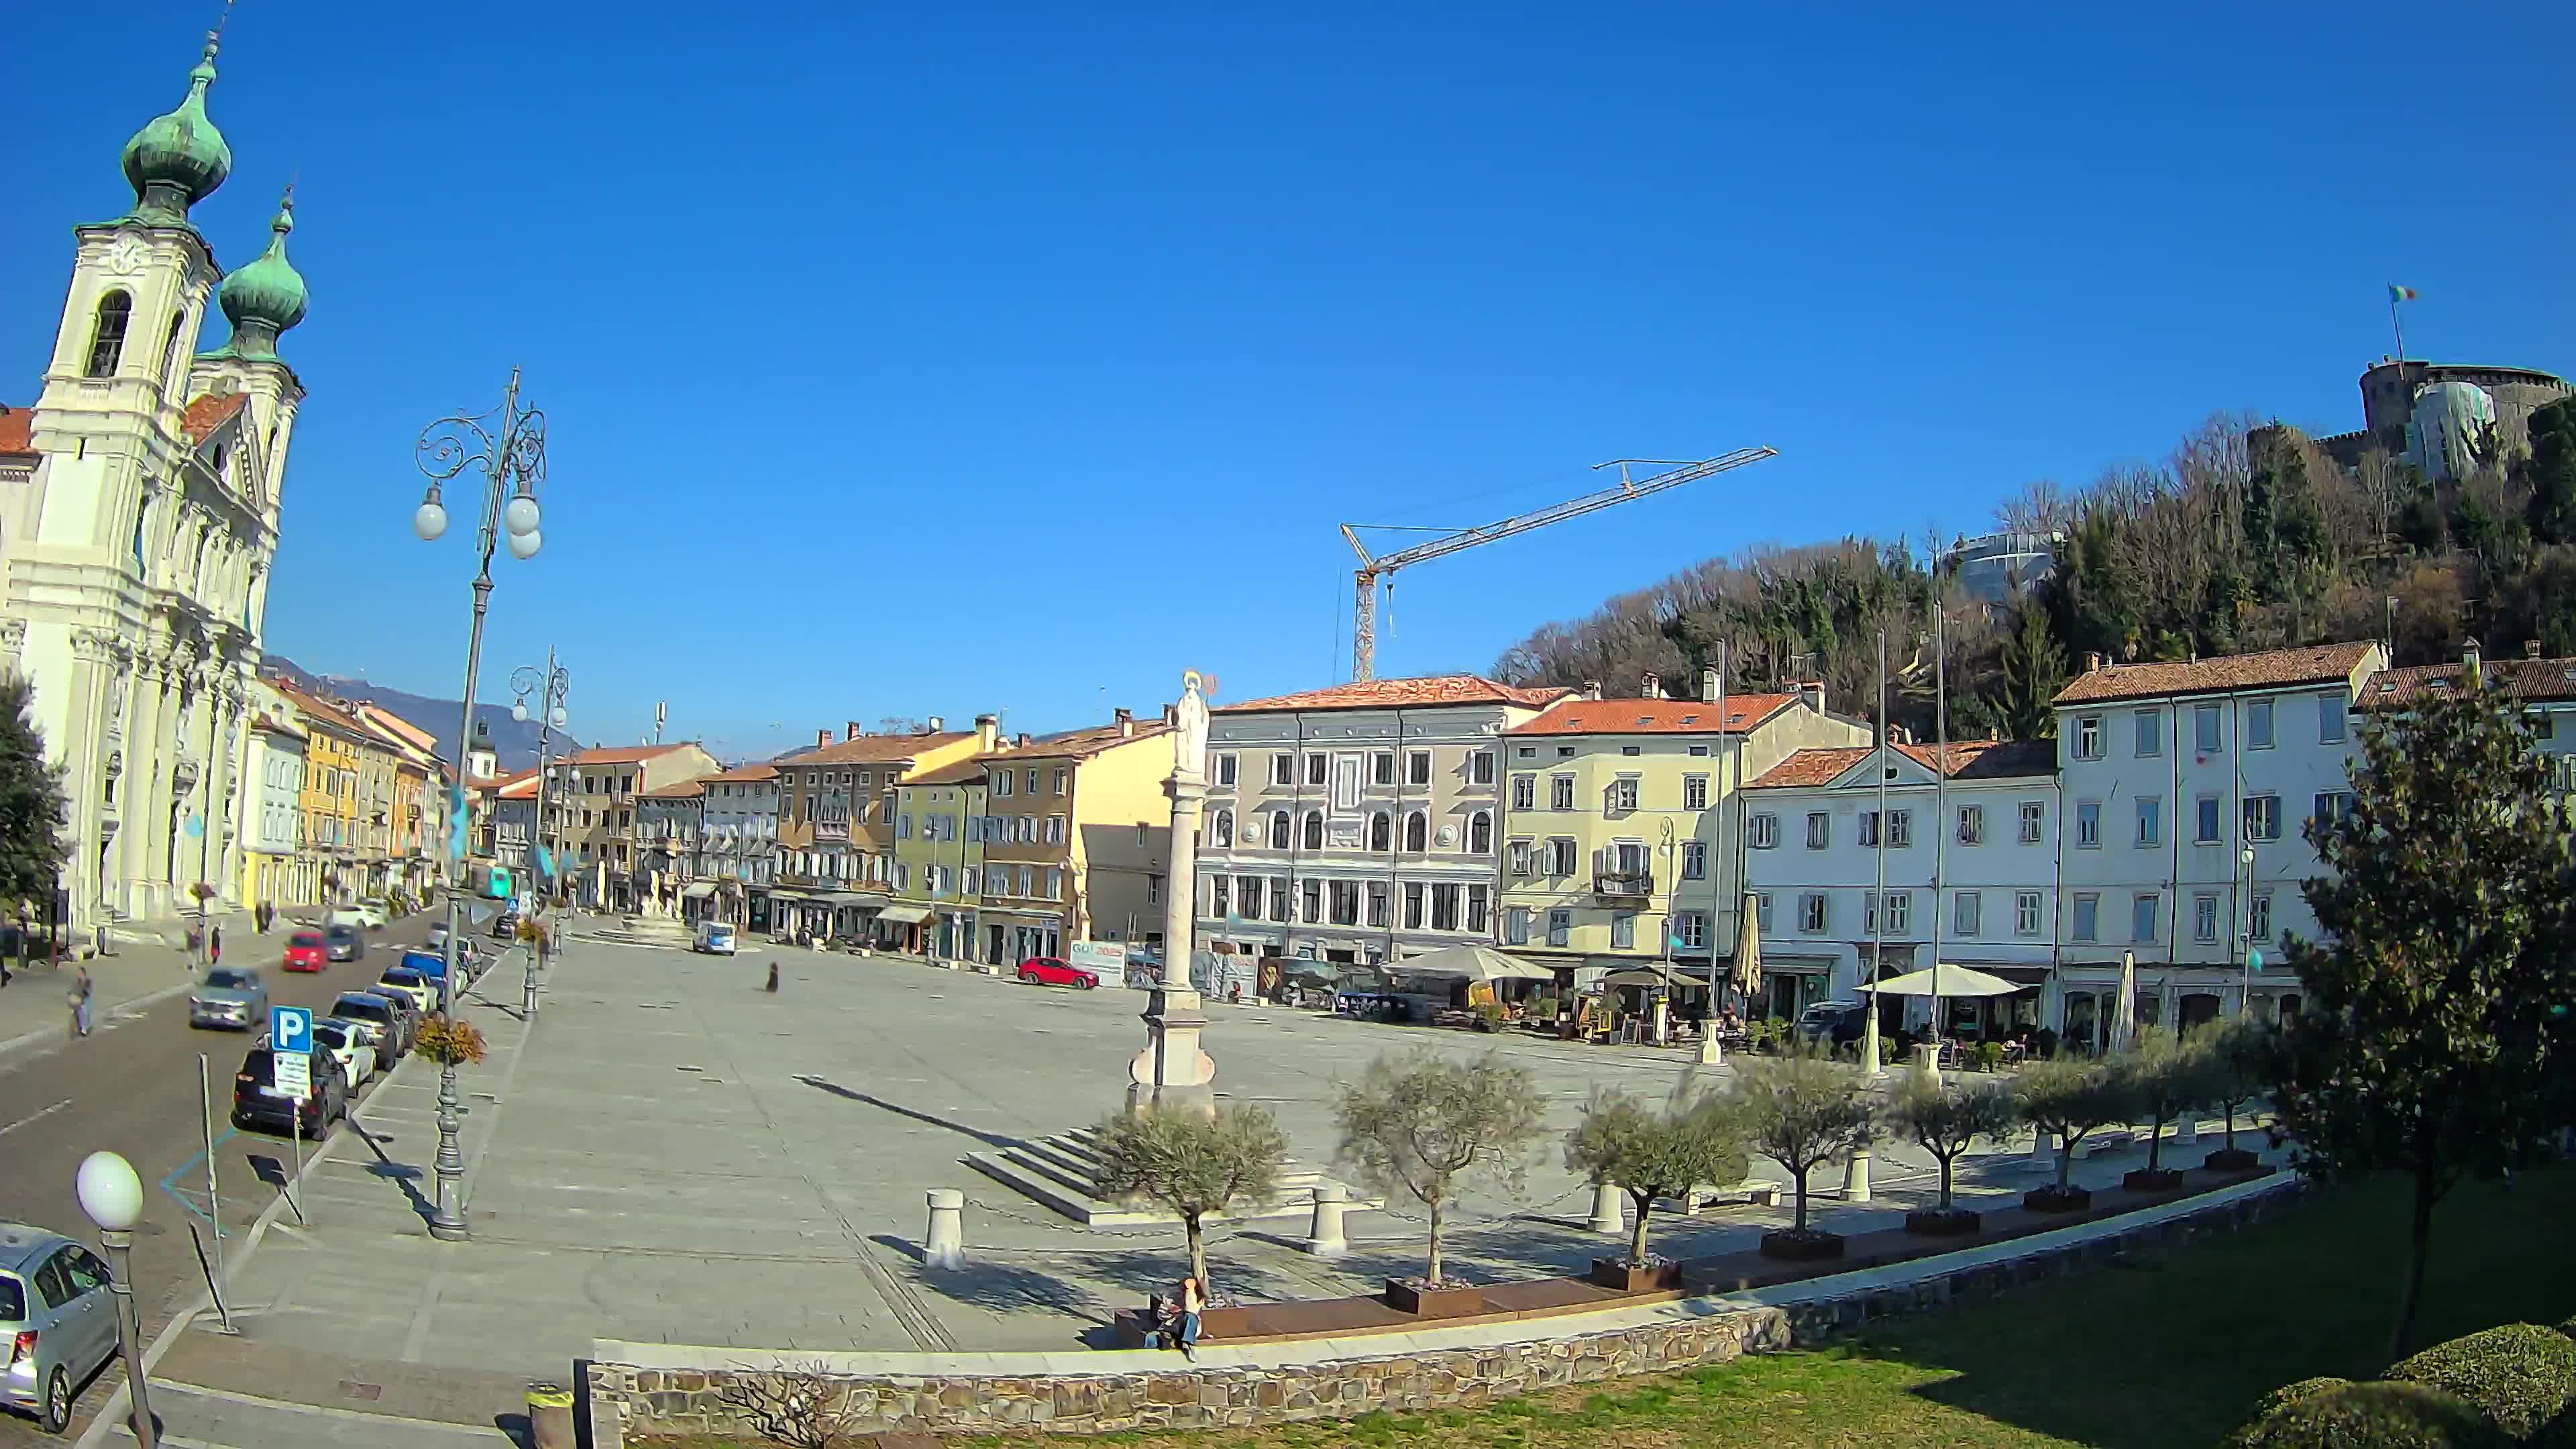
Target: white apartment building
(1357, 823)
(2187, 788)
(276, 869)
(1970, 862)
(741, 833)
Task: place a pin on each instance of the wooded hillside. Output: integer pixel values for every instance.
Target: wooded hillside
(2213, 551)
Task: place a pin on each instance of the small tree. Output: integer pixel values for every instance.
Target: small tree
(2165, 1077)
(2072, 1099)
(1946, 1122)
(2235, 1049)
(1415, 1126)
(32, 850)
(1652, 1153)
(2438, 1026)
(1191, 1165)
(1802, 1111)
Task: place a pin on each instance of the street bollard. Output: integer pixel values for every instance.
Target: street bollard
(550, 1416)
(2187, 1128)
(2041, 1154)
(1609, 1215)
(1324, 1236)
(946, 1245)
(1856, 1177)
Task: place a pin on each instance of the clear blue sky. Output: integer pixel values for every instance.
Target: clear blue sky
(929, 359)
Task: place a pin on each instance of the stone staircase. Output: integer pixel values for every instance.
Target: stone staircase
(1059, 1171)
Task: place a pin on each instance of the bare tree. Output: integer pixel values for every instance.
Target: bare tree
(801, 1405)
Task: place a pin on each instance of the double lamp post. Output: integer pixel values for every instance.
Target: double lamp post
(549, 685)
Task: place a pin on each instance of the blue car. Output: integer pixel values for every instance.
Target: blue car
(433, 965)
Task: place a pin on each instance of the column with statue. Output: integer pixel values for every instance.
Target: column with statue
(1172, 1071)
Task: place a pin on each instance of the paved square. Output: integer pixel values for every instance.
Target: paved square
(674, 1155)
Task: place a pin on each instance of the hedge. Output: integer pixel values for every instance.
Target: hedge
(2520, 1374)
(2376, 1416)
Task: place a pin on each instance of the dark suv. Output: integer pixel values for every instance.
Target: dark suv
(257, 1102)
(377, 1010)
(1836, 1024)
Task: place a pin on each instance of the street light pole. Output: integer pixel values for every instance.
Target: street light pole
(112, 1196)
(550, 689)
(508, 448)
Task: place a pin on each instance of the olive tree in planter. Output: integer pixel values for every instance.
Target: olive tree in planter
(2072, 1099)
(1415, 1126)
(2235, 1049)
(1803, 1110)
(1946, 1121)
(1650, 1153)
(2166, 1077)
(1191, 1165)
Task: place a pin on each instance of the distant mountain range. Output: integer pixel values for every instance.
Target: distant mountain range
(513, 741)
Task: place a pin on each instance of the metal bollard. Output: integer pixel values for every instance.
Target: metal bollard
(2041, 1153)
(2187, 1128)
(1856, 1177)
(550, 1416)
(1324, 1236)
(1609, 1215)
(946, 1244)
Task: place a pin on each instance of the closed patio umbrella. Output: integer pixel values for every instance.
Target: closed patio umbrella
(2124, 1012)
(1748, 951)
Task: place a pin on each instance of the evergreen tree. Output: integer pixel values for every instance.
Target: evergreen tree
(2034, 669)
(32, 851)
(2550, 471)
(2438, 1016)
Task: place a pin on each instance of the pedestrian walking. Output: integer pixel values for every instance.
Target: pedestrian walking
(80, 994)
(215, 946)
(773, 978)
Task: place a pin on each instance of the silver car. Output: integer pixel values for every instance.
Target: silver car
(58, 1319)
(231, 996)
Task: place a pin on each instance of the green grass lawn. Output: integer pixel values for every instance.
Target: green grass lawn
(2170, 1350)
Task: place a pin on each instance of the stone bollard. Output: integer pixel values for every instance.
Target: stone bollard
(1324, 1236)
(1856, 1177)
(946, 1247)
(2041, 1153)
(550, 1416)
(1609, 1215)
(2187, 1128)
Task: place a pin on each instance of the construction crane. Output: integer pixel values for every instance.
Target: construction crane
(1375, 567)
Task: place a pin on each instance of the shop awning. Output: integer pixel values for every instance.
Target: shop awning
(905, 915)
(850, 898)
(699, 891)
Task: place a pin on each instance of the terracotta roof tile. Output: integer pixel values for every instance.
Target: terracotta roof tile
(743, 774)
(1083, 744)
(210, 412)
(1432, 689)
(877, 749)
(622, 754)
(16, 428)
(2312, 664)
(1970, 760)
(322, 710)
(968, 771)
(1654, 716)
(2539, 679)
(684, 790)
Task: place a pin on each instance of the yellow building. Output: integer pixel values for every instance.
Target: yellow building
(1622, 826)
(335, 751)
(939, 855)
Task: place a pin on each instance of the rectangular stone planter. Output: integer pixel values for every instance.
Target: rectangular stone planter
(2051, 1200)
(2231, 1159)
(1812, 1246)
(1449, 1300)
(1619, 1277)
(1933, 1223)
(2163, 1179)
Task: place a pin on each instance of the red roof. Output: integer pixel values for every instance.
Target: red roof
(210, 412)
(622, 754)
(1082, 744)
(876, 749)
(2273, 669)
(2548, 679)
(1969, 760)
(17, 426)
(741, 774)
(1429, 690)
(968, 771)
(684, 790)
(1655, 716)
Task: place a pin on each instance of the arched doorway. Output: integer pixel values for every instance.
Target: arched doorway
(2082, 1022)
(2197, 1007)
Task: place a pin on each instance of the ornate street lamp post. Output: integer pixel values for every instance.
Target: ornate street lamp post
(112, 1196)
(508, 447)
(550, 685)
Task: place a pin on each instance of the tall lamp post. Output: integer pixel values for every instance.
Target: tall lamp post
(112, 1196)
(549, 686)
(508, 447)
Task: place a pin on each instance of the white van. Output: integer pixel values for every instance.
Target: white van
(714, 938)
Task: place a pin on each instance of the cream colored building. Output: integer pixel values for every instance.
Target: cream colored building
(836, 827)
(1076, 839)
(134, 559)
(277, 866)
(599, 790)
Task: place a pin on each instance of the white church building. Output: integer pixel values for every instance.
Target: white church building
(134, 555)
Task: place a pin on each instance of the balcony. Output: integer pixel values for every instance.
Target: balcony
(1632, 885)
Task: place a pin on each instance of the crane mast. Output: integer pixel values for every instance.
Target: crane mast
(1373, 568)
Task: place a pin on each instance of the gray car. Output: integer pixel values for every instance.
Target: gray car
(58, 1318)
(230, 996)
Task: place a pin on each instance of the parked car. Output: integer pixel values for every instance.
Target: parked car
(407, 1027)
(1051, 971)
(1832, 1023)
(437, 938)
(433, 966)
(365, 915)
(422, 990)
(367, 1006)
(343, 942)
(352, 1044)
(230, 996)
(505, 925)
(713, 938)
(306, 952)
(259, 1102)
(58, 1317)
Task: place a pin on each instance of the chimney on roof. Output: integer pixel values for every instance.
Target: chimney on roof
(1708, 686)
(1813, 692)
(853, 730)
(1592, 689)
(1024, 739)
(936, 724)
(1652, 687)
(988, 727)
(2530, 648)
(822, 738)
(2092, 661)
(1126, 721)
(1171, 716)
(2469, 660)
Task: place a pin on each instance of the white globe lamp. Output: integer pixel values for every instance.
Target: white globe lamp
(110, 1192)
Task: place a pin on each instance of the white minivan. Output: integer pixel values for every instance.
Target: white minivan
(714, 938)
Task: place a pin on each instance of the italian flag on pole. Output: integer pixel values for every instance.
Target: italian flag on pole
(2398, 294)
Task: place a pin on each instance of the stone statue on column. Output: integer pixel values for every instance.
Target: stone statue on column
(1172, 1072)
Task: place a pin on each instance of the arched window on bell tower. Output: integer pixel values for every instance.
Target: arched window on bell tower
(170, 351)
(107, 334)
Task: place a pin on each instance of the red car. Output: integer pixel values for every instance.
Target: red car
(304, 952)
(1048, 971)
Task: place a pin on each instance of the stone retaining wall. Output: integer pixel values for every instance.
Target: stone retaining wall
(648, 1402)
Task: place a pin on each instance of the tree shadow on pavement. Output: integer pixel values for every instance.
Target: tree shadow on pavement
(1009, 1288)
(989, 1139)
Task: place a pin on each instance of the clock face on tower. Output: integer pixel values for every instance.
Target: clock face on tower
(125, 256)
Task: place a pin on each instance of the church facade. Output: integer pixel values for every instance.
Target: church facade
(135, 554)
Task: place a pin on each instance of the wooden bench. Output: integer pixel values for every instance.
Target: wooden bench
(1760, 1191)
(2105, 1142)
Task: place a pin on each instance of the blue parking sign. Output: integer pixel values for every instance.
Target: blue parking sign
(290, 1028)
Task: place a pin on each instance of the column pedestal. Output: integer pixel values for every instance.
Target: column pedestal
(1172, 1071)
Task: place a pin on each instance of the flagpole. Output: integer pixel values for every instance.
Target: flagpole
(2398, 326)
(1940, 813)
